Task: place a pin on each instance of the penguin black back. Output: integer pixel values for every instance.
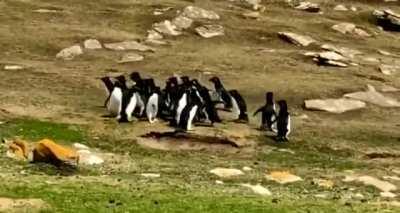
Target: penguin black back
(241, 104)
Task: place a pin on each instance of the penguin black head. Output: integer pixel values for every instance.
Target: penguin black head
(173, 80)
(216, 81)
(185, 79)
(121, 79)
(149, 82)
(269, 97)
(283, 107)
(135, 76)
(119, 84)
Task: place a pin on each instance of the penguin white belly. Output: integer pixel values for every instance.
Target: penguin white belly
(274, 126)
(192, 113)
(114, 105)
(140, 103)
(181, 104)
(152, 108)
(288, 126)
(235, 107)
(131, 107)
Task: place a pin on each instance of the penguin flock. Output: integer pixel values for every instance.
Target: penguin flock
(186, 101)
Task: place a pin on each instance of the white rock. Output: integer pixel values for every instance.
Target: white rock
(389, 69)
(330, 55)
(340, 7)
(154, 35)
(346, 52)
(219, 182)
(385, 53)
(252, 15)
(13, 67)
(128, 45)
(199, 13)
(354, 9)
(209, 31)
(226, 173)
(323, 196)
(286, 151)
(167, 28)
(374, 97)
(344, 28)
(334, 105)
(283, 177)
(255, 4)
(45, 11)
(258, 189)
(395, 178)
(384, 186)
(297, 39)
(308, 6)
(150, 175)
(92, 44)
(361, 32)
(388, 195)
(182, 22)
(70, 52)
(80, 146)
(386, 88)
(130, 57)
(246, 169)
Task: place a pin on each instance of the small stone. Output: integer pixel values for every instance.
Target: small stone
(385, 53)
(340, 7)
(154, 35)
(323, 196)
(247, 169)
(150, 175)
(219, 182)
(70, 52)
(283, 177)
(13, 67)
(167, 28)
(92, 44)
(199, 13)
(354, 9)
(226, 173)
(344, 51)
(80, 146)
(45, 11)
(308, 6)
(252, 15)
(389, 69)
(286, 151)
(130, 57)
(344, 28)
(388, 195)
(209, 31)
(258, 189)
(361, 32)
(297, 39)
(182, 22)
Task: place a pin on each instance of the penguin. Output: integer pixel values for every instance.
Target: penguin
(180, 106)
(129, 101)
(153, 105)
(122, 80)
(190, 111)
(221, 91)
(109, 86)
(268, 112)
(283, 122)
(239, 107)
(208, 104)
(115, 103)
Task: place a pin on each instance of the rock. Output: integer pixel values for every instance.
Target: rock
(324, 183)
(384, 186)
(389, 69)
(385, 53)
(46, 11)
(92, 44)
(167, 28)
(199, 13)
(283, 177)
(155, 37)
(150, 175)
(329, 58)
(226, 173)
(340, 7)
(371, 60)
(182, 22)
(130, 57)
(334, 105)
(160, 11)
(247, 169)
(354, 9)
(13, 67)
(128, 45)
(209, 31)
(344, 51)
(88, 159)
(388, 20)
(395, 178)
(286, 151)
(70, 52)
(252, 15)
(388, 195)
(258, 189)
(373, 97)
(219, 182)
(323, 196)
(350, 28)
(80, 146)
(255, 4)
(308, 6)
(297, 39)
(386, 88)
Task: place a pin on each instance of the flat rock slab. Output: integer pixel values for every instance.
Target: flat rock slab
(308, 6)
(340, 7)
(92, 44)
(389, 69)
(150, 175)
(258, 189)
(344, 51)
(296, 39)
(334, 105)
(374, 97)
(199, 13)
(283, 177)
(128, 45)
(167, 28)
(209, 31)
(131, 57)
(13, 67)
(226, 173)
(70, 52)
(350, 28)
(384, 186)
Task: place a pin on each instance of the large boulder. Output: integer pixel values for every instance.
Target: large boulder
(388, 20)
(209, 31)
(199, 13)
(70, 52)
(297, 39)
(373, 97)
(334, 105)
(128, 45)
